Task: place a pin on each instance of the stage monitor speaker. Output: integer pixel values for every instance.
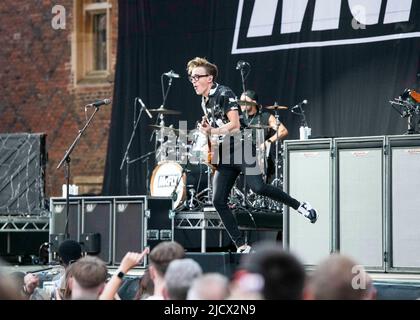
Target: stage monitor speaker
(360, 200)
(307, 177)
(405, 204)
(58, 217)
(129, 225)
(97, 218)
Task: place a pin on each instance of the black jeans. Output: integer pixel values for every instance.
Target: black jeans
(223, 182)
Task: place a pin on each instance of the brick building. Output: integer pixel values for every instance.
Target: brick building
(55, 58)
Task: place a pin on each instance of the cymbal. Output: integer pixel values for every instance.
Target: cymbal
(154, 126)
(165, 111)
(276, 107)
(247, 103)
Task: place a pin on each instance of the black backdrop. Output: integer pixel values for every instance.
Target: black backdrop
(348, 86)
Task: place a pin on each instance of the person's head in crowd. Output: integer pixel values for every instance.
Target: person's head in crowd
(179, 277)
(210, 286)
(69, 252)
(282, 273)
(10, 286)
(146, 287)
(339, 277)
(246, 286)
(162, 255)
(87, 278)
(64, 293)
(9, 289)
(159, 259)
(17, 283)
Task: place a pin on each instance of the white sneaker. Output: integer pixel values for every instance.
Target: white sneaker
(244, 249)
(308, 212)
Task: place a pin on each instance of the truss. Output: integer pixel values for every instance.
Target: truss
(19, 224)
(198, 220)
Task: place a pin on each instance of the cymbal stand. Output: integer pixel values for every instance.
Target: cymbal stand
(208, 190)
(243, 78)
(276, 180)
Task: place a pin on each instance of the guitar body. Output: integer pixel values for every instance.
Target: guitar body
(415, 95)
(212, 153)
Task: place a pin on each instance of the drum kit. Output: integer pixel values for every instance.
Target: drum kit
(181, 171)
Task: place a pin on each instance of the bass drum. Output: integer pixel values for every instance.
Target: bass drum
(170, 175)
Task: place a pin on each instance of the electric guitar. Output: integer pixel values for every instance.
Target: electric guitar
(211, 148)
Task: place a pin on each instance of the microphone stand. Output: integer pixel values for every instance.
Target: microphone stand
(160, 118)
(165, 94)
(126, 157)
(244, 199)
(66, 159)
(304, 130)
(146, 159)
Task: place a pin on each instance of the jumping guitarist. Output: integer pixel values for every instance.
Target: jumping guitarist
(223, 121)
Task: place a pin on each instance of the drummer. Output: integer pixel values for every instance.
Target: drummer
(254, 116)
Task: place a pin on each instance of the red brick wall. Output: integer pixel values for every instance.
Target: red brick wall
(37, 93)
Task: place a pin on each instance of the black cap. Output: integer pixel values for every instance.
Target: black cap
(251, 94)
(69, 251)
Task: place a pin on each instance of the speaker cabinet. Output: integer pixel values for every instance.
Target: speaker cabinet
(118, 223)
(97, 218)
(129, 226)
(58, 217)
(360, 203)
(307, 177)
(370, 202)
(405, 203)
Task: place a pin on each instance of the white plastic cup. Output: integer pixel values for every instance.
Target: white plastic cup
(304, 133)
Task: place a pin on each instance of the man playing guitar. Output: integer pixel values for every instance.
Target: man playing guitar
(223, 118)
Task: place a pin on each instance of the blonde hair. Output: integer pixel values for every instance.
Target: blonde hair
(211, 68)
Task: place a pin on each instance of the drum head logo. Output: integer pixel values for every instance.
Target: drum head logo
(167, 181)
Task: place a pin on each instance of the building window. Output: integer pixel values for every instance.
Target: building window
(92, 41)
(99, 42)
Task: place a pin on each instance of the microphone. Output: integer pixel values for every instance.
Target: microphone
(98, 103)
(299, 104)
(171, 74)
(145, 109)
(241, 64)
